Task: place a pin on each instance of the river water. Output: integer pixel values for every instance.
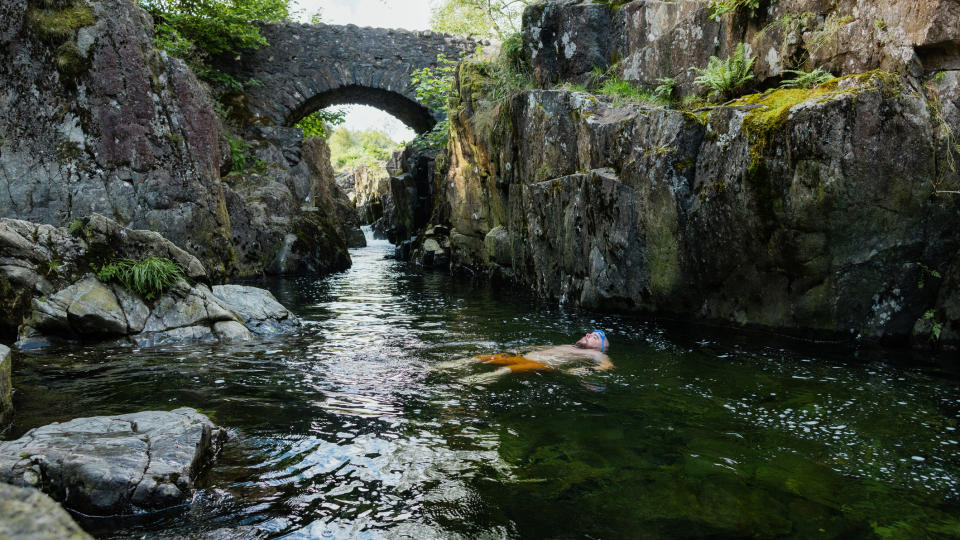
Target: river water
(345, 431)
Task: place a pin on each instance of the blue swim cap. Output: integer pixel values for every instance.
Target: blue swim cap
(603, 340)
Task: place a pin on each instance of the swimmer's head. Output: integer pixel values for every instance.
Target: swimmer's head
(594, 340)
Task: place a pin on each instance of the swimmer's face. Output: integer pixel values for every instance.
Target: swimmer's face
(591, 341)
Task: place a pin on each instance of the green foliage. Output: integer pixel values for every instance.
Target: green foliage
(435, 139)
(936, 327)
(723, 77)
(320, 123)
(200, 30)
(75, 227)
(241, 156)
(433, 84)
(148, 278)
(496, 19)
(512, 52)
(806, 80)
(718, 8)
(926, 271)
(664, 90)
(350, 149)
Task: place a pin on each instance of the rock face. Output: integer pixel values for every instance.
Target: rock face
(98, 121)
(368, 187)
(6, 387)
(26, 513)
(49, 291)
(410, 201)
(809, 211)
(288, 215)
(110, 465)
(651, 39)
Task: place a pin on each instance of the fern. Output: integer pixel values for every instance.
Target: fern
(722, 77)
(806, 80)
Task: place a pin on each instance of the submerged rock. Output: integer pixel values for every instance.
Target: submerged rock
(109, 465)
(28, 514)
(6, 388)
(50, 293)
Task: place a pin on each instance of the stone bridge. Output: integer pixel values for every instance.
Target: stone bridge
(308, 67)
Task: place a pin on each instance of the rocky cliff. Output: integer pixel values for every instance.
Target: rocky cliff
(651, 39)
(820, 212)
(98, 121)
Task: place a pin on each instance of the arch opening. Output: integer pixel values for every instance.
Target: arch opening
(416, 116)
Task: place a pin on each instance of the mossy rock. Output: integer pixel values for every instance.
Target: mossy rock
(58, 25)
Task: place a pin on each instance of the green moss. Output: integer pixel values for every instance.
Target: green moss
(772, 108)
(56, 26)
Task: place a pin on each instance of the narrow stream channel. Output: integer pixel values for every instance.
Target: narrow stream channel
(345, 432)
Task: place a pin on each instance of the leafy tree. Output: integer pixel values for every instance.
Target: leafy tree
(349, 148)
(199, 30)
(482, 18)
(320, 123)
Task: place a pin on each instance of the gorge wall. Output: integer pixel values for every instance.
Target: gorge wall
(96, 120)
(819, 212)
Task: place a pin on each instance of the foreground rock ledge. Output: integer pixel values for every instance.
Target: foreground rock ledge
(26, 513)
(47, 290)
(110, 465)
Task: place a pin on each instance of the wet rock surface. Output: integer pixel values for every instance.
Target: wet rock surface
(28, 514)
(109, 465)
(51, 294)
(257, 308)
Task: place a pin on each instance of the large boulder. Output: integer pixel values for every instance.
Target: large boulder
(6, 387)
(49, 291)
(817, 212)
(257, 308)
(28, 514)
(109, 465)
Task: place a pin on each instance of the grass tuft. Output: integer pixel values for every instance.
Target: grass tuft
(148, 278)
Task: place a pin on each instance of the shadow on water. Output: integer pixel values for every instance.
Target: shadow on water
(344, 430)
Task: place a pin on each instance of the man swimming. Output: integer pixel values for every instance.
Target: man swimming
(586, 355)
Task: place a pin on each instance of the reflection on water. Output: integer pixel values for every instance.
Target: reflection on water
(344, 432)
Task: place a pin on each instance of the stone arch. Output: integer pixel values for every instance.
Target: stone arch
(410, 112)
(307, 67)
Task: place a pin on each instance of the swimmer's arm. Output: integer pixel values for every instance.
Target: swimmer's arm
(603, 364)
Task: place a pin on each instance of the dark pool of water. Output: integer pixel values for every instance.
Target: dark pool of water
(345, 432)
